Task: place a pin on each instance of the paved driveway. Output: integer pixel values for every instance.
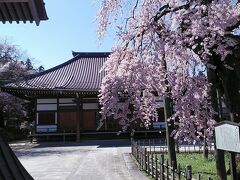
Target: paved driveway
(87, 160)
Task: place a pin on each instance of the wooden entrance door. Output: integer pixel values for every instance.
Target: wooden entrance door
(89, 123)
(68, 121)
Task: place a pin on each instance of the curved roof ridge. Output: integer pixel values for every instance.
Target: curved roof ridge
(80, 72)
(77, 55)
(90, 54)
(52, 69)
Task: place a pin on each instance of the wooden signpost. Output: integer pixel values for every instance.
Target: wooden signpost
(227, 138)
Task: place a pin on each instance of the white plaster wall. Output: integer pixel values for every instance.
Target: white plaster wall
(90, 105)
(66, 100)
(46, 107)
(46, 100)
(67, 104)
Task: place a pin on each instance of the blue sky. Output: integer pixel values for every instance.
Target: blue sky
(70, 27)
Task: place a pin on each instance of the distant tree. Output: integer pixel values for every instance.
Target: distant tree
(12, 68)
(28, 64)
(40, 69)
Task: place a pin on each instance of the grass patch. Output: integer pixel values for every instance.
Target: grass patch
(205, 167)
(198, 163)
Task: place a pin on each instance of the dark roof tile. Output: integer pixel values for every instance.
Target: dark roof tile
(82, 73)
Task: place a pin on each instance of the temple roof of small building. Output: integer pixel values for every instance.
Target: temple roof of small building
(22, 10)
(80, 74)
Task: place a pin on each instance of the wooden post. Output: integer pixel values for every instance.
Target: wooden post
(173, 171)
(167, 169)
(132, 141)
(78, 116)
(156, 167)
(58, 115)
(188, 172)
(152, 165)
(149, 144)
(233, 166)
(148, 162)
(161, 166)
(143, 157)
(137, 151)
(178, 172)
(105, 124)
(133, 148)
(146, 159)
(64, 138)
(140, 151)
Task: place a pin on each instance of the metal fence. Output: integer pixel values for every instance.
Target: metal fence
(149, 155)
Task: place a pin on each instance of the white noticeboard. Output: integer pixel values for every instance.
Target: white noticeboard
(227, 137)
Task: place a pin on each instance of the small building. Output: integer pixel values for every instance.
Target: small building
(66, 96)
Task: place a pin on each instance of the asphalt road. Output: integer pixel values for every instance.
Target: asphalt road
(86, 160)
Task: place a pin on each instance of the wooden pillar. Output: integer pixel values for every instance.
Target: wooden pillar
(105, 124)
(78, 114)
(58, 115)
(35, 112)
(233, 166)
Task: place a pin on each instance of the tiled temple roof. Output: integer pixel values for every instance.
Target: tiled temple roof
(80, 74)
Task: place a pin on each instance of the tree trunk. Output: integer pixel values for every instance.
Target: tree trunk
(219, 154)
(169, 124)
(169, 128)
(205, 146)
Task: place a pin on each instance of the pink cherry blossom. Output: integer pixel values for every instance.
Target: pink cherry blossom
(163, 48)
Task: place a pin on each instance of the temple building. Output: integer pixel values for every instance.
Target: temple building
(66, 96)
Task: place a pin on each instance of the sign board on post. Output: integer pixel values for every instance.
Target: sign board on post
(227, 136)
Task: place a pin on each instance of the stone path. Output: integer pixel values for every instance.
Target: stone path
(87, 160)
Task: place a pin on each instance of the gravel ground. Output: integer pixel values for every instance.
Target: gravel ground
(85, 160)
